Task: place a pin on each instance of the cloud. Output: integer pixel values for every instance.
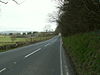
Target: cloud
(30, 15)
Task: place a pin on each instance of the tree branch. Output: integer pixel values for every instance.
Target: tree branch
(13, 1)
(3, 2)
(16, 2)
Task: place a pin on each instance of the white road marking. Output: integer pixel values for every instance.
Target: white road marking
(61, 67)
(67, 73)
(33, 52)
(2, 70)
(46, 45)
(14, 62)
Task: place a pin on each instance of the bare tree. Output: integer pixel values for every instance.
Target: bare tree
(47, 28)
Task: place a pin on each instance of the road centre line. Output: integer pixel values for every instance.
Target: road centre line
(46, 45)
(14, 62)
(2, 70)
(33, 52)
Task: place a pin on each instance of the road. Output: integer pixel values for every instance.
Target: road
(43, 58)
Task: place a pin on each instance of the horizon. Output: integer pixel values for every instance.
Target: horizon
(24, 31)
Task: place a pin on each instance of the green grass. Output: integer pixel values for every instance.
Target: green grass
(6, 40)
(84, 50)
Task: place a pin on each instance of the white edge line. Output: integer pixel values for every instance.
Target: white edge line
(61, 58)
(32, 52)
(2, 70)
(67, 73)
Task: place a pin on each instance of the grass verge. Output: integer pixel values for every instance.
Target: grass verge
(84, 50)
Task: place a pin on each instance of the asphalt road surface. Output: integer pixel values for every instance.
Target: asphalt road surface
(43, 58)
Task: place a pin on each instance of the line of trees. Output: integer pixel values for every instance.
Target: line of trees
(77, 16)
(24, 33)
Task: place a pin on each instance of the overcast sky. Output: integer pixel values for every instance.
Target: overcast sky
(31, 15)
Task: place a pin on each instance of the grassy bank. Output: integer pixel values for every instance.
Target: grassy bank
(84, 49)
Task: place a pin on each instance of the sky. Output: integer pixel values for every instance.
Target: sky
(30, 15)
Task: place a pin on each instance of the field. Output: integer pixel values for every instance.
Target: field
(84, 50)
(4, 40)
(7, 40)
